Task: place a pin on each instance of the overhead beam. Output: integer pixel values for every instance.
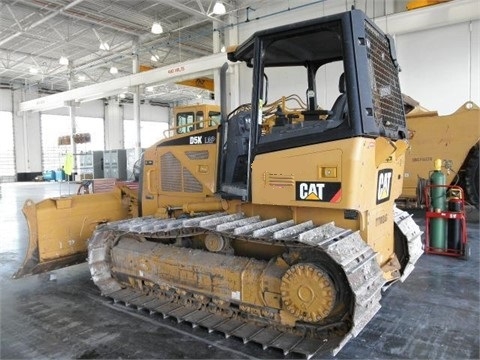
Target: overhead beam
(176, 72)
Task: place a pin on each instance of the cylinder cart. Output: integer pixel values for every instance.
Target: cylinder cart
(446, 229)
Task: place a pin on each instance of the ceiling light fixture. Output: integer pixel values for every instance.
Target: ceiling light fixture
(157, 28)
(81, 78)
(63, 60)
(154, 58)
(113, 70)
(219, 8)
(104, 46)
(33, 70)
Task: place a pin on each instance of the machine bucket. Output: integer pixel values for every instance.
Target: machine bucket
(59, 228)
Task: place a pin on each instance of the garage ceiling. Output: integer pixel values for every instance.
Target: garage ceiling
(34, 34)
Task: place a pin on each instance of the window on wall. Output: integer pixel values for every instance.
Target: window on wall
(7, 150)
(55, 126)
(150, 133)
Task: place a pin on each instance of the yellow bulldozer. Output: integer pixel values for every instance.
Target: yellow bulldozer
(276, 224)
(454, 138)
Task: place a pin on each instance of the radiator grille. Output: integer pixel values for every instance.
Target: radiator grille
(171, 173)
(190, 184)
(175, 177)
(387, 97)
(197, 155)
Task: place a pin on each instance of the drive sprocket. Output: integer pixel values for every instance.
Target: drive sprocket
(308, 292)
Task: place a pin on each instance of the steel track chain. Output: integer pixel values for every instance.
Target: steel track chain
(346, 247)
(413, 237)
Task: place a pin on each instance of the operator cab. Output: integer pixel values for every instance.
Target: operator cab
(195, 117)
(295, 101)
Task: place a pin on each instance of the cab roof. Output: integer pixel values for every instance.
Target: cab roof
(317, 41)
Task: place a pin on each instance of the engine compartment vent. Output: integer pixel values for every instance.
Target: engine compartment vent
(177, 178)
(279, 180)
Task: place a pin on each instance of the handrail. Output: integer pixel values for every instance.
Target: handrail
(174, 130)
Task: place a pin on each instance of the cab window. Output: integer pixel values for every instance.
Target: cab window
(183, 122)
(199, 120)
(214, 118)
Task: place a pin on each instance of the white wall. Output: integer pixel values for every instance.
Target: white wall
(114, 116)
(26, 132)
(6, 100)
(440, 66)
(147, 113)
(93, 109)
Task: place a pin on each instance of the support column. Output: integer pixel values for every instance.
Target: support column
(136, 105)
(231, 37)
(28, 146)
(216, 39)
(113, 125)
(73, 125)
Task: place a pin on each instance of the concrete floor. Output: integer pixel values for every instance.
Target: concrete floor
(434, 314)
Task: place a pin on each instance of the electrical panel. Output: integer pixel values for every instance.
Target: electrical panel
(115, 164)
(90, 165)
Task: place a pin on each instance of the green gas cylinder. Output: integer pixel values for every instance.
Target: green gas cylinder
(438, 195)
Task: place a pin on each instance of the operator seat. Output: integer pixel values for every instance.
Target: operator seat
(339, 109)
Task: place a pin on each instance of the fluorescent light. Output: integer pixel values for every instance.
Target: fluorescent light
(63, 60)
(113, 70)
(81, 78)
(33, 70)
(104, 46)
(219, 8)
(154, 58)
(157, 28)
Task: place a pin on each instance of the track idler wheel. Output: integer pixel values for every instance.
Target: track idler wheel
(217, 243)
(308, 293)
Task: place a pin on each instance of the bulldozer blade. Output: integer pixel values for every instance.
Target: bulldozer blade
(59, 228)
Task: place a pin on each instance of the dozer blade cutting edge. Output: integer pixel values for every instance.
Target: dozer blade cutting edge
(59, 228)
